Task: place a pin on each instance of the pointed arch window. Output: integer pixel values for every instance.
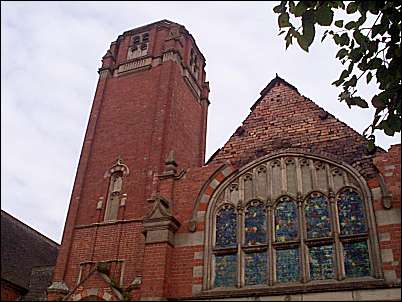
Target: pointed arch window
(310, 229)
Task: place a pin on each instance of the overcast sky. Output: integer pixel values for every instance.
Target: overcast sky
(50, 54)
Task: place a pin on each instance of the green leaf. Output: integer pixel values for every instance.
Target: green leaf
(360, 102)
(283, 20)
(394, 122)
(378, 102)
(343, 76)
(342, 53)
(279, 9)
(350, 25)
(375, 63)
(292, 7)
(359, 37)
(344, 39)
(352, 82)
(351, 8)
(376, 29)
(339, 23)
(303, 43)
(307, 38)
(324, 15)
(369, 77)
(300, 9)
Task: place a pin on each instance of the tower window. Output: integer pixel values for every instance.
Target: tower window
(139, 47)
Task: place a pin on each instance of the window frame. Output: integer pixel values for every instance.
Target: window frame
(303, 243)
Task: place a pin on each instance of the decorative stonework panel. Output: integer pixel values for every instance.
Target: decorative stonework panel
(261, 182)
(291, 177)
(306, 176)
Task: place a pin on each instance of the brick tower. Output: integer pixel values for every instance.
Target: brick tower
(148, 120)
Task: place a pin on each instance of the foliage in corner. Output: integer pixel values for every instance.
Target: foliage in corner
(368, 49)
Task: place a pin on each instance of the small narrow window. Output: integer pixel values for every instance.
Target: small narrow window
(113, 202)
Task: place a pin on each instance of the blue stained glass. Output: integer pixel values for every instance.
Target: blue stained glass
(255, 268)
(357, 263)
(255, 224)
(287, 265)
(286, 226)
(321, 262)
(226, 227)
(225, 270)
(351, 213)
(317, 217)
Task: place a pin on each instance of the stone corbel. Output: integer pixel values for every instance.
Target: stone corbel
(159, 224)
(386, 195)
(59, 288)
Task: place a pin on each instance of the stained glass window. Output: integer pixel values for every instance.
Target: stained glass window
(255, 268)
(259, 239)
(357, 263)
(287, 265)
(225, 270)
(286, 226)
(255, 223)
(226, 227)
(321, 262)
(351, 213)
(317, 217)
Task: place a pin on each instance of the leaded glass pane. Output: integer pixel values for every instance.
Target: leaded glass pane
(255, 268)
(287, 265)
(255, 223)
(225, 270)
(317, 217)
(357, 263)
(226, 227)
(321, 262)
(351, 213)
(286, 227)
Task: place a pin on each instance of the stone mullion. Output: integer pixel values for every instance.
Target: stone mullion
(240, 232)
(270, 253)
(335, 232)
(301, 223)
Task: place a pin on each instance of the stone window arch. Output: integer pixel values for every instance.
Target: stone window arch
(288, 220)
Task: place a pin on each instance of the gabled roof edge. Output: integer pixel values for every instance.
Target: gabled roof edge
(270, 85)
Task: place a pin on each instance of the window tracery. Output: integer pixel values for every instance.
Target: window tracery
(290, 232)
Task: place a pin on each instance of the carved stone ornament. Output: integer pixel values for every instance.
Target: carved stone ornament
(59, 287)
(118, 166)
(159, 223)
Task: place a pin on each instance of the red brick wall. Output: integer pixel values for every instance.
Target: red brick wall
(389, 226)
(9, 292)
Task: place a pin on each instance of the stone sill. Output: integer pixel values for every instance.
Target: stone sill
(363, 283)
